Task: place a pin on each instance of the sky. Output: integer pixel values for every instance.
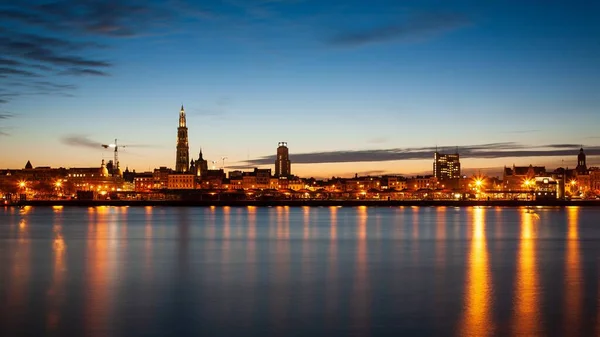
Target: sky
(367, 87)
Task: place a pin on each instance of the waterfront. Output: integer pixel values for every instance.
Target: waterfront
(254, 271)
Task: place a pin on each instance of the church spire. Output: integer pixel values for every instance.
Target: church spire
(182, 122)
(182, 162)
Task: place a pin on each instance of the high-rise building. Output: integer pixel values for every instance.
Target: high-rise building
(282, 162)
(183, 150)
(446, 166)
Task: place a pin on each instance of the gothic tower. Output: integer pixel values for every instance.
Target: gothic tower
(183, 150)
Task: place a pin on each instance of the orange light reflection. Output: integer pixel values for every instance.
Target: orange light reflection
(573, 275)
(476, 319)
(526, 298)
(361, 280)
(56, 292)
(97, 302)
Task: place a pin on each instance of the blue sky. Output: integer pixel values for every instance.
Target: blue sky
(330, 78)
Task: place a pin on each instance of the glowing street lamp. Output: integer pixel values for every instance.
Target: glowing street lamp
(478, 183)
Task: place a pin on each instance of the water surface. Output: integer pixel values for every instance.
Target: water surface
(285, 271)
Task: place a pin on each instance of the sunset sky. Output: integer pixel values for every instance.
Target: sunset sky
(366, 86)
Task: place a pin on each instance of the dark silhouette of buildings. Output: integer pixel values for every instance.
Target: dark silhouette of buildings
(581, 164)
(183, 150)
(200, 166)
(282, 162)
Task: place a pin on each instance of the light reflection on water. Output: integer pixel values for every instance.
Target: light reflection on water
(527, 289)
(304, 271)
(478, 291)
(573, 279)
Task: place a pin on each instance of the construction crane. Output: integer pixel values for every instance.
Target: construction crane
(223, 159)
(116, 154)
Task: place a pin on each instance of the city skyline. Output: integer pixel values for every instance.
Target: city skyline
(351, 88)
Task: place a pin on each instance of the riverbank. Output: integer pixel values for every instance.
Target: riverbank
(311, 203)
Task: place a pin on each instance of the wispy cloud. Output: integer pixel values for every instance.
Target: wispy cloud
(80, 141)
(6, 72)
(6, 115)
(522, 131)
(417, 27)
(488, 151)
(86, 142)
(378, 140)
(84, 72)
(53, 39)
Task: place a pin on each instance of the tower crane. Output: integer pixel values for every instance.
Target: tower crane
(223, 159)
(116, 154)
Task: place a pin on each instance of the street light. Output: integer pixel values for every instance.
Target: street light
(478, 182)
(530, 184)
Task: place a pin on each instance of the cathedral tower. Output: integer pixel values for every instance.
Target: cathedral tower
(183, 150)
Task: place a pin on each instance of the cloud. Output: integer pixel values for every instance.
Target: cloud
(113, 18)
(54, 86)
(57, 38)
(5, 72)
(378, 140)
(84, 72)
(522, 131)
(416, 27)
(487, 151)
(5, 116)
(80, 141)
(7, 62)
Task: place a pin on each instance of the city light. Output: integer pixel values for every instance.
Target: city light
(449, 184)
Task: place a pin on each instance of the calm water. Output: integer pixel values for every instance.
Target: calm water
(299, 271)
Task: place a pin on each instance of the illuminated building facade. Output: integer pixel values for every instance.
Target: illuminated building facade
(282, 162)
(515, 178)
(143, 182)
(183, 150)
(446, 166)
(161, 177)
(181, 181)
